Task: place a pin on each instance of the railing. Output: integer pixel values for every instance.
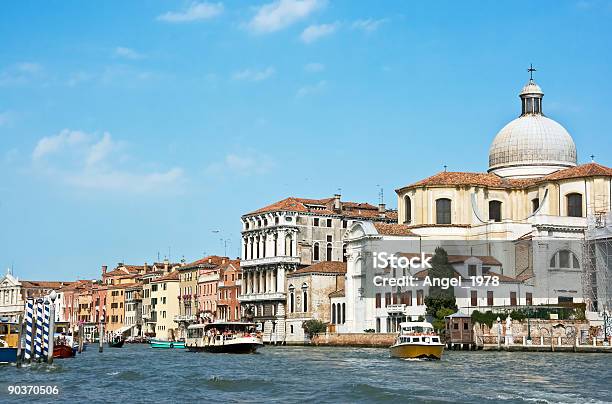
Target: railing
(396, 308)
(270, 260)
(179, 318)
(262, 296)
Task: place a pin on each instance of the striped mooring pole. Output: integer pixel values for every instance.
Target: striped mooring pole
(29, 317)
(45, 323)
(39, 330)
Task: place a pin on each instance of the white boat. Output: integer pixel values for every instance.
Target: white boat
(228, 337)
(417, 339)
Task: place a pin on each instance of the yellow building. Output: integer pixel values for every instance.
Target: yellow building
(165, 305)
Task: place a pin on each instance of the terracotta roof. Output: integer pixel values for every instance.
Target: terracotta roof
(584, 170)
(393, 229)
(206, 262)
(172, 276)
(454, 178)
(326, 207)
(45, 284)
(324, 267)
(337, 293)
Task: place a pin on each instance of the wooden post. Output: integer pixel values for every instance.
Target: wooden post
(52, 296)
(19, 335)
(81, 329)
(101, 336)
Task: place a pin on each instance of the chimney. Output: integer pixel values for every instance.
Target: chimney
(381, 208)
(337, 202)
(146, 267)
(166, 264)
(104, 268)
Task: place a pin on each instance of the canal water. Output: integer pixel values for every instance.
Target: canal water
(138, 373)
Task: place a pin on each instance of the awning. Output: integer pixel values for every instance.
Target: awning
(124, 329)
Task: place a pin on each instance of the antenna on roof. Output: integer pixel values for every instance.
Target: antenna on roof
(445, 167)
(381, 195)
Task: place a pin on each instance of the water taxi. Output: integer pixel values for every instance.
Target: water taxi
(227, 337)
(160, 343)
(9, 340)
(417, 340)
(63, 341)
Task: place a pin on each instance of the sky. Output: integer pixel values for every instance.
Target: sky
(132, 131)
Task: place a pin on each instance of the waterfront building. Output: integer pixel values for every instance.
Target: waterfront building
(165, 305)
(115, 311)
(529, 210)
(285, 236)
(209, 276)
(308, 291)
(149, 313)
(133, 309)
(11, 299)
(230, 283)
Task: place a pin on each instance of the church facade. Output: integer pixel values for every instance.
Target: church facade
(529, 211)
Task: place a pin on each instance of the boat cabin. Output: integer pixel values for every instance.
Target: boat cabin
(9, 333)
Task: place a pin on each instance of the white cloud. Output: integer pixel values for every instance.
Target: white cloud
(280, 14)
(368, 25)
(195, 12)
(245, 163)
(127, 53)
(314, 67)
(87, 161)
(20, 73)
(316, 32)
(254, 75)
(311, 89)
(53, 144)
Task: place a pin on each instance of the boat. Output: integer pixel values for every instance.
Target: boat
(116, 341)
(223, 337)
(63, 342)
(9, 341)
(160, 343)
(417, 340)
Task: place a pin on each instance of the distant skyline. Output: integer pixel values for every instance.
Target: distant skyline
(138, 128)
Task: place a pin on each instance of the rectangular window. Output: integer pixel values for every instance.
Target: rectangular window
(315, 221)
(490, 298)
(512, 298)
(387, 299)
(443, 211)
(474, 298)
(472, 270)
(329, 223)
(420, 297)
(378, 301)
(529, 298)
(407, 298)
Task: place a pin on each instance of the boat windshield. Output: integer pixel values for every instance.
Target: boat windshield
(417, 330)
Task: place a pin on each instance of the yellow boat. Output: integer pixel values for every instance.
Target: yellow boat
(417, 340)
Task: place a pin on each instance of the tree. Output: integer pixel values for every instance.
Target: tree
(440, 302)
(314, 327)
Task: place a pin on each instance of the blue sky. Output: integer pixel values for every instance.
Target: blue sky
(131, 128)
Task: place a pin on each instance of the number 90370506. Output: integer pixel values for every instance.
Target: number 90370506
(25, 390)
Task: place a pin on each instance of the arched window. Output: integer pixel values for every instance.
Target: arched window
(343, 313)
(288, 246)
(304, 298)
(495, 213)
(574, 205)
(328, 252)
(257, 241)
(333, 313)
(535, 205)
(564, 259)
(443, 211)
(275, 244)
(315, 252)
(264, 240)
(291, 299)
(344, 253)
(407, 210)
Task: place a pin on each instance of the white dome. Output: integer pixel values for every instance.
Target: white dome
(531, 145)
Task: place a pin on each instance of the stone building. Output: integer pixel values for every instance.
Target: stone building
(11, 299)
(308, 291)
(133, 309)
(230, 282)
(285, 236)
(165, 305)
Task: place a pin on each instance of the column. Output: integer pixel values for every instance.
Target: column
(294, 244)
(261, 282)
(280, 279)
(273, 284)
(280, 240)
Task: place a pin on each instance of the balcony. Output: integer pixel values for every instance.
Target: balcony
(396, 308)
(187, 319)
(270, 260)
(254, 297)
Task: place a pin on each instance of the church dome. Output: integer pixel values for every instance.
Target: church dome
(531, 145)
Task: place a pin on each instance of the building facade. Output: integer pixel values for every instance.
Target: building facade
(285, 236)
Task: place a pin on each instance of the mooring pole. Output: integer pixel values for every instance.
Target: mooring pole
(20, 321)
(100, 335)
(52, 297)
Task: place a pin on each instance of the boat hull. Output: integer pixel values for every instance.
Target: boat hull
(156, 343)
(239, 348)
(417, 351)
(116, 344)
(63, 351)
(8, 355)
